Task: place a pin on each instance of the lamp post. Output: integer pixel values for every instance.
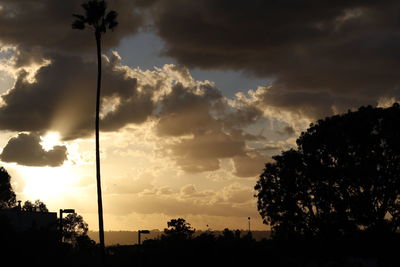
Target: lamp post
(142, 232)
(248, 218)
(61, 213)
(139, 247)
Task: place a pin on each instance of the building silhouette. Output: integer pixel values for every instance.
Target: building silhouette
(22, 220)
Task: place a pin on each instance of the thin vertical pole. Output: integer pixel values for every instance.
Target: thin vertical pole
(98, 178)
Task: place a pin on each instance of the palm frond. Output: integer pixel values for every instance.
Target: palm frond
(111, 19)
(111, 16)
(95, 11)
(112, 25)
(78, 24)
(102, 27)
(79, 17)
(95, 15)
(102, 7)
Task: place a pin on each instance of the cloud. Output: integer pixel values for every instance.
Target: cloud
(232, 200)
(25, 149)
(202, 152)
(210, 127)
(187, 110)
(129, 185)
(318, 53)
(242, 116)
(321, 56)
(62, 98)
(237, 193)
(295, 110)
(24, 25)
(199, 125)
(287, 130)
(250, 164)
(190, 191)
(307, 104)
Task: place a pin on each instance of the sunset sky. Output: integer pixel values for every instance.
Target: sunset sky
(197, 97)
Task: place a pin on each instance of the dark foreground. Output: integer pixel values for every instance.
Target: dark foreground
(230, 249)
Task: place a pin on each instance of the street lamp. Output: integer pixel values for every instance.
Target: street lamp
(142, 232)
(139, 247)
(61, 213)
(248, 218)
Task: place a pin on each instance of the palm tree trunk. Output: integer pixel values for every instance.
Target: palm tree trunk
(99, 196)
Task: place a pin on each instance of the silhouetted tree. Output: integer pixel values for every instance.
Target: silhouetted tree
(37, 206)
(179, 229)
(74, 228)
(227, 235)
(40, 206)
(84, 244)
(97, 18)
(28, 206)
(343, 177)
(206, 236)
(7, 195)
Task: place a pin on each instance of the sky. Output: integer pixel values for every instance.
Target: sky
(197, 96)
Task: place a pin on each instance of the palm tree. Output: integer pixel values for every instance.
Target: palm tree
(95, 17)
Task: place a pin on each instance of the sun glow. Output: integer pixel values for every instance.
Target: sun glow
(50, 140)
(47, 184)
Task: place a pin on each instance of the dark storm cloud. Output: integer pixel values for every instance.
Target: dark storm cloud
(198, 111)
(345, 47)
(45, 25)
(63, 99)
(287, 130)
(62, 95)
(310, 104)
(186, 112)
(212, 129)
(25, 149)
(242, 116)
(191, 111)
(202, 152)
(249, 165)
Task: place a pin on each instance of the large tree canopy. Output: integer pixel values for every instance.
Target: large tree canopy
(343, 177)
(7, 195)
